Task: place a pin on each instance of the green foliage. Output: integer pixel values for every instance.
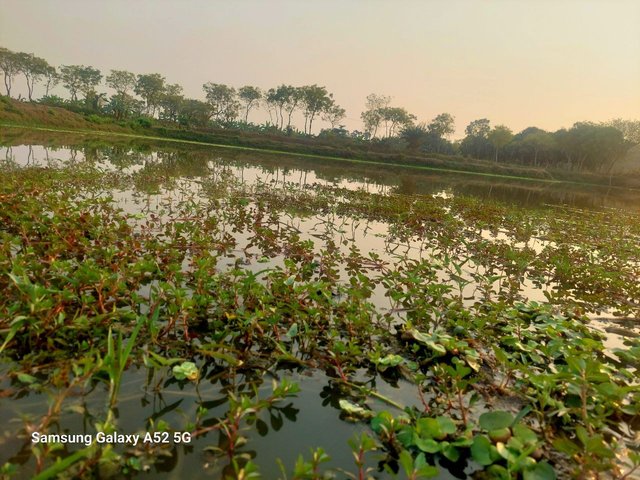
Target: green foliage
(92, 293)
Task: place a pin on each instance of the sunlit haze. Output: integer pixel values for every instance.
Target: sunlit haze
(518, 63)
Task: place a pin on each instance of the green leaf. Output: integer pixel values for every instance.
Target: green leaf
(525, 435)
(496, 420)
(541, 471)
(427, 445)
(451, 453)
(506, 453)
(481, 450)
(26, 378)
(293, 331)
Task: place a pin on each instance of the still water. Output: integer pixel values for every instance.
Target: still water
(313, 417)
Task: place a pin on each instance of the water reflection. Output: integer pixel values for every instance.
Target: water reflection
(24, 147)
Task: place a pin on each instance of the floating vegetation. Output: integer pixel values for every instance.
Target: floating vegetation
(209, 324)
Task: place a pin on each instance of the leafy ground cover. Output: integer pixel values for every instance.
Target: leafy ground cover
(445, 336)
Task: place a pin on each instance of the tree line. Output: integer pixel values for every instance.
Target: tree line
(584, 146)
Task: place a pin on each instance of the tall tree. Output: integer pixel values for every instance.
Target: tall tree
(537, 142)
(78, 78)
(499, 137)
(194, 113)
(222, 100)
(150, 87)
(315, 100)
(395, 118)
(372, 116)
(51, 77)
(415, 136)
(121, 81)
(478, 128)
(334, 115)
(10, 66)
(476, 143)
(443, 125)
(281, 100)
(250, 97)
(33, 68)
(170, 102)
(630, 128)
(123, 105)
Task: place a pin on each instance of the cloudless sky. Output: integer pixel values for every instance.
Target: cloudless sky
(545, 63)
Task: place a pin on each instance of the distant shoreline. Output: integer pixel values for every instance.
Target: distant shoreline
(39, 117)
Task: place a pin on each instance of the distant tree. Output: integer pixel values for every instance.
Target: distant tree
(630, 128)
(150, 87)
(194, 113)
(78, 78)
(121, 81)
(95, 101)
(281, 100)
(51, 77)
(499, 137)
(123, 105)
(222, 100)
(372, 116)
(315, 100)
(334, 115)
(292, 100)
(478, 128)
(394, 119)
(415, 136)
(588, 146)
(538, 142)
(250, 97)
(170, 101)
(10, 66)
(443, 125)
(476, 143)
(33, 68)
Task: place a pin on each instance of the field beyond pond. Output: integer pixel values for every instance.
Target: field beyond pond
(191, 312)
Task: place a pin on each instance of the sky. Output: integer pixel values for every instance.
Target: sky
(521, 63)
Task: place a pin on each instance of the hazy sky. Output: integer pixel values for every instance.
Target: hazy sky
(547, 63)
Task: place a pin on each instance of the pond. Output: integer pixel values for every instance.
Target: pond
(307, 317)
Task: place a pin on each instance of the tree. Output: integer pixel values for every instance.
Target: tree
(123, 105)
(630, 128)
(588, 146)
(475, 143)
(170, 102)
(415, 136)
(250, 97)
(334, 115)
(281, 100)
(150, 87)
(121, 81)
(372, 116)
(499, 137)
(10, 66)
(314, 100)
(52, 79)
(478, 128)
(443, 125)
(33, 68)
(78, 78)
(395, 118)
(222, 100)
(194, 113)
(537, 141)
